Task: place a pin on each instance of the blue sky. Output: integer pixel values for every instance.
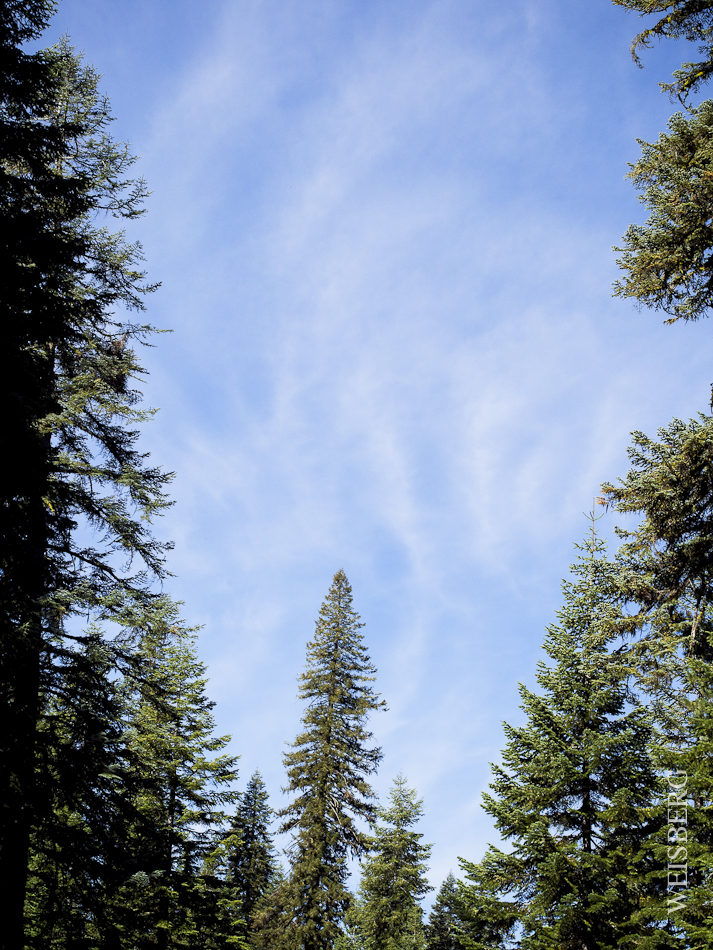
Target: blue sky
(383, 231)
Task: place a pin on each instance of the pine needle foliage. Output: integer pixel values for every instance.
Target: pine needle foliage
(328, 768)
(668, 262)
(683, 753)
(664, 564)
(67, 405)
(77, 503)
(272, 926)
(690, 20)
(78, 854)
(573, 793)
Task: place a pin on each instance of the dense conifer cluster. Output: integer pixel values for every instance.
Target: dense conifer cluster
(121, 824)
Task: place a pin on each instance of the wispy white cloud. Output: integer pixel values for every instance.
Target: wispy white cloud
(383, 233)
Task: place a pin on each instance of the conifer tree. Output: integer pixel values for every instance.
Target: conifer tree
(574, 793)
(70, 412)
(664, 578)
(328, 769)
(394, 876)
(30, 223)
(667, 261)
(273, 926)
(352, 936)
(251, 862)
(182, 779)
(128, 856)
(444, 929)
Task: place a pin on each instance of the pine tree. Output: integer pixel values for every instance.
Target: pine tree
(250, 862)
(129, 855)
(182, 779)
(667, 261)
(352, 936)
(574, 794)
(327, 768)
(443, 930)
(664, 578)
(30, 222)
(394, 876)
(69, 410)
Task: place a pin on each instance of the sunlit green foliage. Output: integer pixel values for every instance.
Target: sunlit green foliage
(690, 20)
(668, 262)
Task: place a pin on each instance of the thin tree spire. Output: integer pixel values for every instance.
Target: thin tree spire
(327, 770)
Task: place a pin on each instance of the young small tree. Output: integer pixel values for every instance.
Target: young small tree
(328, 769)
(251, 864)
(444, 929)
(574, 793)
(394, 876)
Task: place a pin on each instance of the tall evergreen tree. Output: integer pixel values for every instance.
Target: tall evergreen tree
(574, 793)
(394, 876)
(251, 862)
(444, 928)
(32, 203)
(328, 769)
(69, 409)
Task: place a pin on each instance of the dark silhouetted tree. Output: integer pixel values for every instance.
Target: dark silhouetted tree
(251, 863)
(77, 503)
(444, 928)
